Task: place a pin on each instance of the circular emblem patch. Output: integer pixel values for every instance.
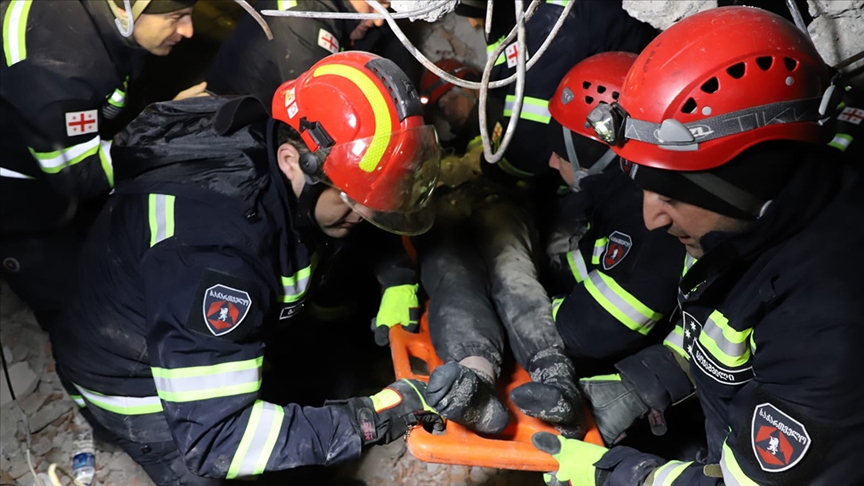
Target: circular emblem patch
(11, 264)
(779, 441)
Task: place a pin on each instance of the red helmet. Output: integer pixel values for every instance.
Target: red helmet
(432, 87)
(594, 80)
(713, 85)
(362, 120)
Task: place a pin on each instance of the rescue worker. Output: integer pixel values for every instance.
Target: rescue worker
(66, 70)
(483, 298)
(248, 63)
(590, 28)
(733, 161)
(619, 278)
(456, 105)
(195, 260)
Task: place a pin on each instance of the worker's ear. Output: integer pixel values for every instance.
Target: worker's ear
(288, 159)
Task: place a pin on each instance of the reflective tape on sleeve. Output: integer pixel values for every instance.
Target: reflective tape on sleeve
(121, 405)
(206, 382)
(533, 109)
(15, 31)
(295, 286)
(54, 162)
(688, 262)
(599, 250)
(666, 474)
(259, 438)
(618, 302)
(577, 265)
(841, 141)
(675, 340)
(161, 217)
(732, 473)
(724, 342)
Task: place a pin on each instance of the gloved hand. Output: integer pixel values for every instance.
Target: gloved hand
(575, 459)
(551, 395)
(468, 397)
(615, 404)
(390, 413)
(399, 306)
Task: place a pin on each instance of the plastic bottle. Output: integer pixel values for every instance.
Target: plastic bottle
(84, 459)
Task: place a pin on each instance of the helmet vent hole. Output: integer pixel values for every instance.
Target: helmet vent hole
(614, 95)
(586, 84)
(764, 62)
(790, 63)
(689, 106)
(589, 99)
(736, 70)
(601, 89)
(711, 85)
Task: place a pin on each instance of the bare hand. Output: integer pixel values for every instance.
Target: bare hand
(193, 92)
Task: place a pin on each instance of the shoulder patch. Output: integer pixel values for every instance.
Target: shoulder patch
(779, 441)
(225, 308)
(328, 41)
(616, 249)
(81, 122)
(222, 303)
(850, 114)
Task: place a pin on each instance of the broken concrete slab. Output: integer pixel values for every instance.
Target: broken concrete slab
(23, 380)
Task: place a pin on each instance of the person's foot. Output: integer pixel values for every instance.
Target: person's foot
(467, 397)
(552, 395)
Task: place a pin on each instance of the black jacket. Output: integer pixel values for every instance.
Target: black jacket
(772, 331)
(187, 267)
(65, 73)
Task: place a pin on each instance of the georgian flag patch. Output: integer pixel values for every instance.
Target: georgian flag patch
(81, 122)
(225, 308)
(328, 41)
(779, 441)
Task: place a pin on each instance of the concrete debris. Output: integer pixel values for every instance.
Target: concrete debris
(24, 382)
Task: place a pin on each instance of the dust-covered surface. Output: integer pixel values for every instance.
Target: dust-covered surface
(51, 414)
(53, 419)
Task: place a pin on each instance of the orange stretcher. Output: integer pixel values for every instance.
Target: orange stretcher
(512, 449)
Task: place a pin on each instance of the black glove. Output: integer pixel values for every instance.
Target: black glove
(390, 413)
(551, 395)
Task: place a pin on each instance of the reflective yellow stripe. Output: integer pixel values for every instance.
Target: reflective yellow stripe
(726, 344)
(599, 250)
(577, 265)
(15, 31)
(381, 138)
(491, 48)
(620, 303)
(688, 262)
(285, 4)
(675, 340)
(54, 162)
(841, 141)
(666, 474)
(732, 473)
(295, 286)
(105, 160)
(533, 109)
(259, 438)
(161, 217)
(556, 304)
(121, 405)
(205, 382)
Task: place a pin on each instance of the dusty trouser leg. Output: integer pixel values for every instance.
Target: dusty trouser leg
(509, 242)
(464, 327)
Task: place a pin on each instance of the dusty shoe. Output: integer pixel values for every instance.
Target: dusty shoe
(467, 397)
(551, 395)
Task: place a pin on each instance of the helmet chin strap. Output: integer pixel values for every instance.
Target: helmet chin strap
(578, 172)
(306, 203)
